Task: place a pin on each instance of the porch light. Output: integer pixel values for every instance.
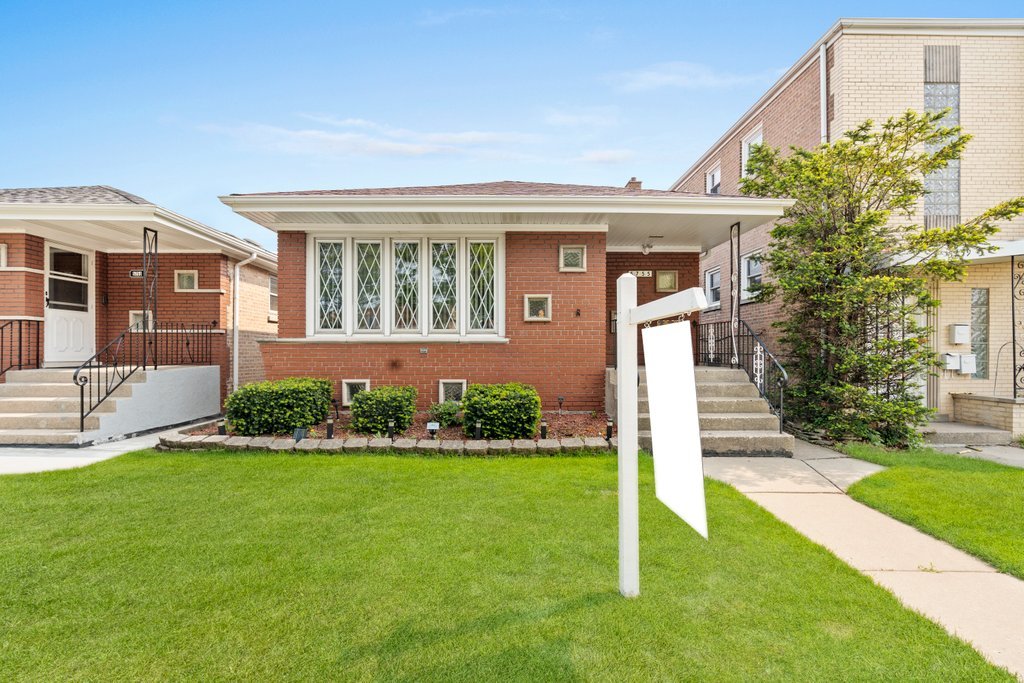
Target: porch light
(391, 429)
(222, 428)
(543, 429)
(478, 431)
(330, 427)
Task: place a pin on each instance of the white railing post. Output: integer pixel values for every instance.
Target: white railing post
(628, 438)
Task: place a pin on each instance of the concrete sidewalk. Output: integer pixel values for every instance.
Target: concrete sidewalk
(1004, 455)
(14, 460)
(966, 596)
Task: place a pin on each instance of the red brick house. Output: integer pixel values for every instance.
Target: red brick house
(99, 279)
(489, 282)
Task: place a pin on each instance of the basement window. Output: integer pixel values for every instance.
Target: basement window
(186, 280)
(451, 390)
(351, 387)
(537, 308)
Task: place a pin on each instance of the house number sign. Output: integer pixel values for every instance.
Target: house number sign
(135, 274)
(641, 273)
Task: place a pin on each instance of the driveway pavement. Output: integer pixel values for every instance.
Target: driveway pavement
(14, 460)
(967, 597)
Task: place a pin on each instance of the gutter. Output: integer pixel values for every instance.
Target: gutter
(234, 317)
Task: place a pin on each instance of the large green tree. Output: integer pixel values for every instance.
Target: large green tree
(852, 269)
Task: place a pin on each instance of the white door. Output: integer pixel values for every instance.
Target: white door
(70, 322)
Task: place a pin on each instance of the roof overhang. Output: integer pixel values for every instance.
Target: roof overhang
(684, 222)
(118, 228)
(1004, 250)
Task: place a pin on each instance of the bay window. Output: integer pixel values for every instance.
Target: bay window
(405, 287)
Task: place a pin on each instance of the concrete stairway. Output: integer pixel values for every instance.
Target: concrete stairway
(734, 419)
(41, 407)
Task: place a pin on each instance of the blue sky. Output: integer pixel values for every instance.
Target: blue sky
(182, 101)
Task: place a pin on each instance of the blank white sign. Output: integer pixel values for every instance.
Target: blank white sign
(675, 426)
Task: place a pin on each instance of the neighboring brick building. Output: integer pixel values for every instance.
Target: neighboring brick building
(873, 69)
(491, 282)
(71, 261)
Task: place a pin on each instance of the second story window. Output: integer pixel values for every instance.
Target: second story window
(273, 298)
(713, 180)
(713, 286)
(942, 92)
(755, 137)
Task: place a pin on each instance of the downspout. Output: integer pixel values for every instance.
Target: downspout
(823, 89)
(234, 318)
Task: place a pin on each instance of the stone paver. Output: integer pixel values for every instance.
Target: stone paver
(428, 446)
(308, 445)
(237, 443)
(282, 445)
(381, 443)
(500, 447)
(356, 443)
(452, 446)
(595, 443)
(406, 445)
(477, 447)
(215, 441)
(260, 442)
(332, 445)
(524, 446)
(549, 446)
(572, 443)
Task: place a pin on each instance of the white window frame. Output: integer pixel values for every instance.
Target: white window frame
(3, 255)
(745, 294)
(272, 299)
(707, 287)
(136, 316)
(709, 177)
(459, 277)
(442, 382)
(382, 284)
(422, 332)
(346, 395)
(562, 268)
(177, 284)
(526, 308)
(754, 137)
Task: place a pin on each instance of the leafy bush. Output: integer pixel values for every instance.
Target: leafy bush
(504, 411)
(372, 409)
(445, 413)
(278, 407)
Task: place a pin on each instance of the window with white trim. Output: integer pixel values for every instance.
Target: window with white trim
(572, 258)
(351, 387)
(135, 321)
(401, 286)
(713, 286)
(272, 290)
(713, 180)
(750, 273)
(754, 138)
(186, 280)
(450, 390)
(537, 308)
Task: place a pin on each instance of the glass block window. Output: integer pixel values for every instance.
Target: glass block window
(444, 286)
(406, 257)
(482, 315)
(186, 280)
(942, 92)
(537, 307)
(369, 316)
(572, 259)
(713, 286)
(450, 390)
(331, 294)
(351, 387)
(980, 331)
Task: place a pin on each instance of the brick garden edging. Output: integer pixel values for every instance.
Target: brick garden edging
(357, 444)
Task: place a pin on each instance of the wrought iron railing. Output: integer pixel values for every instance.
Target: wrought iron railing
(140, 348)
(20, 345)
(715, 347)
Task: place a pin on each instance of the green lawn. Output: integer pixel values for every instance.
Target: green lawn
(218, 565)
(976, 505)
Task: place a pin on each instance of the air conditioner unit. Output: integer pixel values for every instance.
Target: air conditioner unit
(959, 333)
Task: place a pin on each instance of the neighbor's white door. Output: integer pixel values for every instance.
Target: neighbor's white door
(70, 317)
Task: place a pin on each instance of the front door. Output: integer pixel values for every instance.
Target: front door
(70, 323)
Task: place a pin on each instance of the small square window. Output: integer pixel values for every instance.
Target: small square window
(666, 281)
(572, 259)
(450, 390)
(537, 307)
(186, 280)
(135, 321)
(351, 387)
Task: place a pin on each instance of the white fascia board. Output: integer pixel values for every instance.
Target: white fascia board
(436, 230)
(680, 303)
(933, 26)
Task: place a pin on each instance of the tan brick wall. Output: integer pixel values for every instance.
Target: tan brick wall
(255, 322)
(993, 412)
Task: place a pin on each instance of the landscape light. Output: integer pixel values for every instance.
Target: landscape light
(478, 431)
(222, 428)
(330, 427)
(391, 429)
(543, 429)
(608, 431)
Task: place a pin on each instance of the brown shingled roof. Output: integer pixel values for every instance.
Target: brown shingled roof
(78, 194)
(507, 188)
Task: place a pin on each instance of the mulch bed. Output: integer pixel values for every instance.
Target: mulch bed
(560, 426)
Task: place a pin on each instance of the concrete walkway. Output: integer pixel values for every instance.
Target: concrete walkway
(1004, 455)
(14, 460)
(966, 596)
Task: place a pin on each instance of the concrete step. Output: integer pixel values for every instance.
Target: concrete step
(961, 434)
(50, 404)
(731, 405)
(33, 421)
(53, 390)
(55, 376)
(727, 390)
(746, 443)
(739, 421)
(703, 373)
(42, 437)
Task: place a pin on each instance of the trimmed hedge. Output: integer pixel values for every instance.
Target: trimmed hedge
(372, 409)
(445, 413)
(278, 407)
(504, 411)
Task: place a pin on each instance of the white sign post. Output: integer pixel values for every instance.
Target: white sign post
(675, 485)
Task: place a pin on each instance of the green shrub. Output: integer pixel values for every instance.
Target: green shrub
(278, 407)
(372, 409)
(504, 411)
(446, 413)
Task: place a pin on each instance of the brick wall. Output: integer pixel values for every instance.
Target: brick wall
(21, 293)
(687, 265)
(255, 323)
(564, 357)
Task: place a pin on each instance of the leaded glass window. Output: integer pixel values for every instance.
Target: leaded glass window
(979, 331)
(444, 286)
(368, 290)
(406, 259)
(331, 294)
(481, 286)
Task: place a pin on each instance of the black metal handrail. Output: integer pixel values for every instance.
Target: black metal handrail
(715, 347)
(20, 345)
(139, 348)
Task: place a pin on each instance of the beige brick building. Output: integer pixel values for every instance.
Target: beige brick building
(873, 69)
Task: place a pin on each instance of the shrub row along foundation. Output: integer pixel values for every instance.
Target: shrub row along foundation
(363, 444)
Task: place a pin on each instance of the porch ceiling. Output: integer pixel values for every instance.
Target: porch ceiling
(683, 222)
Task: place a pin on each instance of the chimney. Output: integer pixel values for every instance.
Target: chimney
(633, 184)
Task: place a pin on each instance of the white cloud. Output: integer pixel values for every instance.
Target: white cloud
(687, 75)
(595, 117)
(605, 156)
(434, 18)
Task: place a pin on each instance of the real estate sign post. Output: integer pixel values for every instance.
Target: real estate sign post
(674, 425)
